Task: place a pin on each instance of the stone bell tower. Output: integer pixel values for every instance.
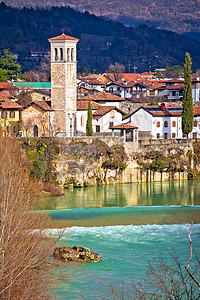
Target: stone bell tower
(63, 84)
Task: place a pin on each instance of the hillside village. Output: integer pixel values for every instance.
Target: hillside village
(134, 106)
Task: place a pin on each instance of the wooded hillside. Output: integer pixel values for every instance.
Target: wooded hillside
(101, 41)
(179, 16)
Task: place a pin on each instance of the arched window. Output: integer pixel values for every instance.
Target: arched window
(165, 124)
(174, 124)
(56, 54)
(61, 54)
(68, 54)
(72, 54)
(158, 124)
(35, 131)
(112, 114)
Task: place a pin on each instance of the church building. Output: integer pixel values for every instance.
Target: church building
(63, 84)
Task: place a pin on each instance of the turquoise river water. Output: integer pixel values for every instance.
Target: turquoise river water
(128, 225)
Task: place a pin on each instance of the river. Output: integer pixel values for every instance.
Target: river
(128, 225)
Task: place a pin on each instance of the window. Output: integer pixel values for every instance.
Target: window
(82, 121)
(158, 135)
(61, 54)
(195, 123)
(118, 88)
(111, 124)
(174, 124)
(3, 114)
(97, 128)
(194, 135)
(173, 135)
(43, 98)
(165, 136)
(112, 114)
(12, 114)
(56, 54)
(158, 124)
(110, 89)
(165, 124)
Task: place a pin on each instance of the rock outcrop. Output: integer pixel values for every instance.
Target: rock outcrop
(76, 253)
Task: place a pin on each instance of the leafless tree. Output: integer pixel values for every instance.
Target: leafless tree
(24, 263)
(45, 66)
(27, 126)
(36, 76)
(165, 281)
(117, 70)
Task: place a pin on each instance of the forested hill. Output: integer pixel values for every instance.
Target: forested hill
(175, 15)
(101, 41)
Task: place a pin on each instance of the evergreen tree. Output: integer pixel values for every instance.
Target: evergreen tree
(3, 75)
(89, 129)
(8, 63)
(187, 110)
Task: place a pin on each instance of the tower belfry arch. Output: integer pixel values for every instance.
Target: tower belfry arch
(63, 83)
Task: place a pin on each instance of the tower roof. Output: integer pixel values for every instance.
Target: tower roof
(63, 37)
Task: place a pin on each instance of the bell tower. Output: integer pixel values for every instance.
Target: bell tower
(63, 84)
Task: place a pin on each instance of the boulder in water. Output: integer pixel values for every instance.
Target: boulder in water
(76, 253)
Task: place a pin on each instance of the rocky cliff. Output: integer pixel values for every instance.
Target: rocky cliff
(85, 162)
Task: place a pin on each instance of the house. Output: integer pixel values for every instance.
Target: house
(92, 84)
(196, 89)
(175, 92)
(82, 91)
(10, 117)
(163, 121)
(105, 98)
(127, 89)
(36, 119)
(81, 114)
(104, 117)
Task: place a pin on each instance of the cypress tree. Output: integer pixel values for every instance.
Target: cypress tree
(89, 129)
(187, 110)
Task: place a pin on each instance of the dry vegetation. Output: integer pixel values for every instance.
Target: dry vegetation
(25, 269)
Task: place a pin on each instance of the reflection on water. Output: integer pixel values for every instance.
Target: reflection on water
(169, 193)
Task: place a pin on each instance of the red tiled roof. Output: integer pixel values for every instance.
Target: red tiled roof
(105, 109)
(125, 76)
(196, 110)
(4, 95)
(63, 37)
(178, 86)
(157, 86)
(90, 76)
(173, 80)
(94, 81)
(103, 96)
(121, 83)
(124, 126)
(158, 111)
(43, 105)
(83, 105)
(8, 104)
(6, 86)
